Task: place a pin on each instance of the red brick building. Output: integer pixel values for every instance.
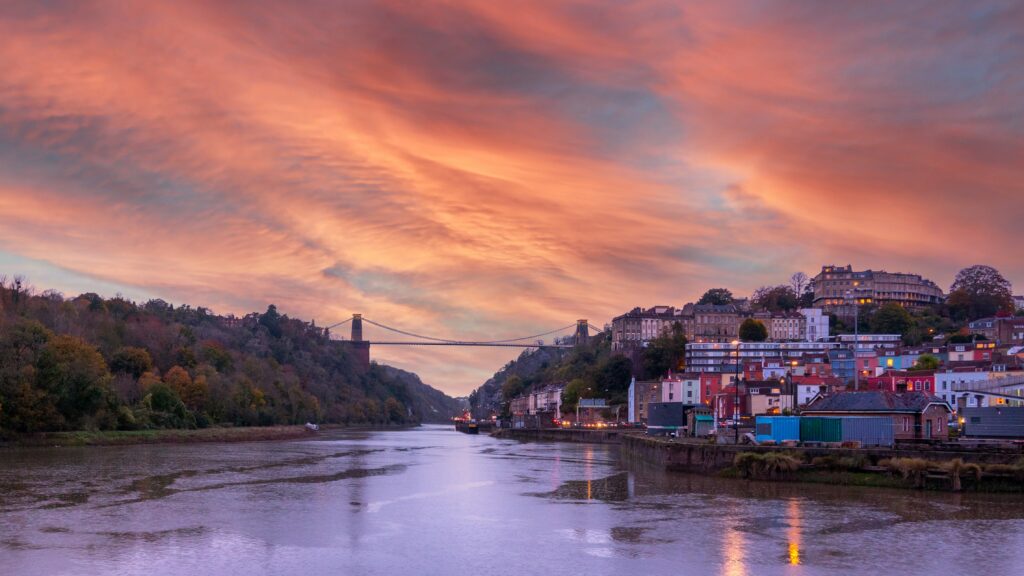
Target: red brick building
(902, 381)
(915, 415)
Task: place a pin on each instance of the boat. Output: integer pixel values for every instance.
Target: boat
(312, 427)
(466, 426)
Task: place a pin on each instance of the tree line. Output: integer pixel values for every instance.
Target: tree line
(112, 364)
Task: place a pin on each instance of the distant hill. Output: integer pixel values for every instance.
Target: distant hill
(432, 405)
(93, 363)
(591, 367)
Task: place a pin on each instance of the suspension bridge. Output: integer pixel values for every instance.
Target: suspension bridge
(361, 347)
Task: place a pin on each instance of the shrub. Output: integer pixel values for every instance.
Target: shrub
(909, 468)
(767, 466)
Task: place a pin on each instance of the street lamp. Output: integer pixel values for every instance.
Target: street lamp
(736, 394)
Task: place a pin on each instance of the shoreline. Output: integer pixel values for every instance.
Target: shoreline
(176, 436)
(903, 467)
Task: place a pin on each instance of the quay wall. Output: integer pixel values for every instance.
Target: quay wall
(702, 457)
(561, 435)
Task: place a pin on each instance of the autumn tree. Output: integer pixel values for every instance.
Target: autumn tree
(979, 291)
(24, 406)
(131, 360)
(79, 380)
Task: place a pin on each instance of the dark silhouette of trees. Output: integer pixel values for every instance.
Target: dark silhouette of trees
(978, 292)
(753, 331)
(718, 296)
(94, 363)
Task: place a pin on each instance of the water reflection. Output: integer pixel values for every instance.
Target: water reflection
(733, 548)
(793, 534)
(436, 502)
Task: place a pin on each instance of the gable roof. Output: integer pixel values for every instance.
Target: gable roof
(875, 401)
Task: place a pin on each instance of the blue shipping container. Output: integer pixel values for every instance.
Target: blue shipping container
(777, 428)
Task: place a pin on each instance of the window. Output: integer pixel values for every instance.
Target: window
(906, 424)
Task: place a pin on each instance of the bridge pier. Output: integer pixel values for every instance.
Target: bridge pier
(359, 348)
(582, 332)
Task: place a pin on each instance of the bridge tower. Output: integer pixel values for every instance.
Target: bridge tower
(360, 348)
(581, 332)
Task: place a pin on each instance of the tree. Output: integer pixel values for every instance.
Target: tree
(891, 318)
(612, 378)
(718, 296)
(664, 353)
(798, 282)
(24, 407)
(753, 331)
(131, 360)
(574, 390)
(926, 362)
(77, 376)
(775, 298)
(512, 387)
(980, 291)
(271, 319)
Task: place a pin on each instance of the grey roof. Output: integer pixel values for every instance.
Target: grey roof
(874, 401)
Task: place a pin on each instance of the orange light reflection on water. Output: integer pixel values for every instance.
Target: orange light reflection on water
(795, 528)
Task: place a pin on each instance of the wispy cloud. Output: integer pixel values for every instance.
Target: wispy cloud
(469, 170)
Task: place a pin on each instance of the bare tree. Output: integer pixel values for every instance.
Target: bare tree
(798, 281)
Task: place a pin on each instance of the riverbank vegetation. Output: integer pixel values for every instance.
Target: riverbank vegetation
(897, 472)
(90, 363)
(588, 370)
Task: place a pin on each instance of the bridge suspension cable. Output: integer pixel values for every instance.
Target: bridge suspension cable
(449, 341)
(335, 325)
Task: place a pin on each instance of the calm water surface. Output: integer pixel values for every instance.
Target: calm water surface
(433, 501)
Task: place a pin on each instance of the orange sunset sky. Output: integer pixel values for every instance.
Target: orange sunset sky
(482, 169)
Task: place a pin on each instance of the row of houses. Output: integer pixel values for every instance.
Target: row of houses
(713, 323)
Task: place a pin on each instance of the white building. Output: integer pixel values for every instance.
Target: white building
(547, 399)
(1018, 301)
(816, 325)
(683, 388)
(721, 356)
(870, 341)
(947, 382)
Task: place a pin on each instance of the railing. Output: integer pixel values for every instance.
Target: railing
(993, 385)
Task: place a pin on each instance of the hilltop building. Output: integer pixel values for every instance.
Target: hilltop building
(878, 287)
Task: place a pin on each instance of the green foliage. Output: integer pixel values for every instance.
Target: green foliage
(131, 360)
(612, 377)
(927, 362)
(752, 330)
(718, 296)
(664, 353)
(75, 375)
(891, 318)
(270, 370)
(512, 387)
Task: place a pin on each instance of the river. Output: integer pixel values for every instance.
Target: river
(433, 501)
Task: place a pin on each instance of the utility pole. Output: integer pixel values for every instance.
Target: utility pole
(852, 294)
(736, 395)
